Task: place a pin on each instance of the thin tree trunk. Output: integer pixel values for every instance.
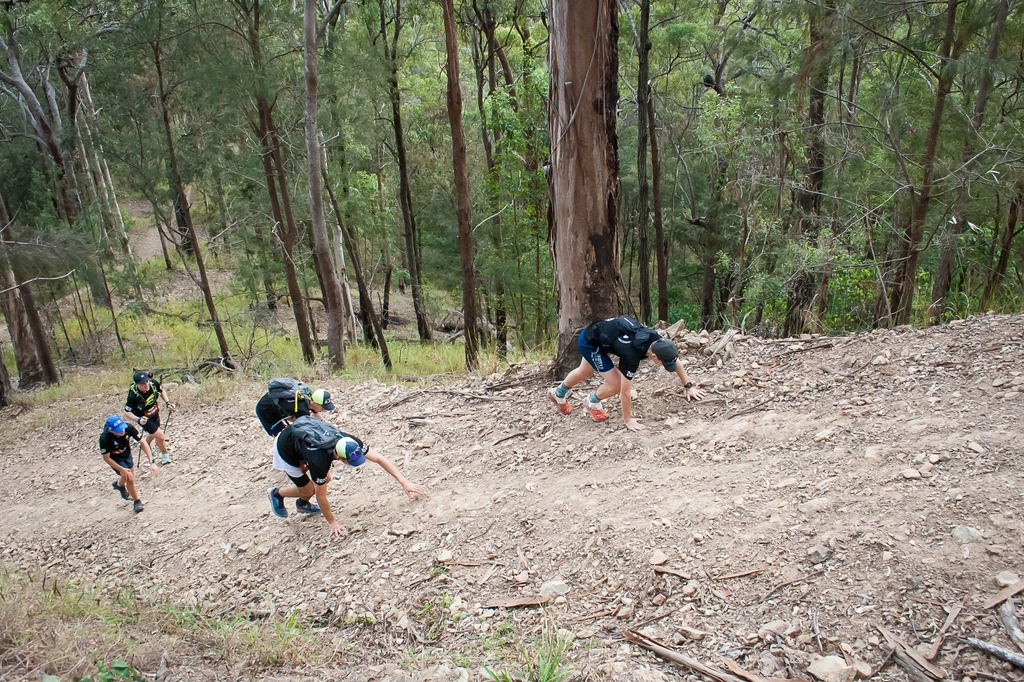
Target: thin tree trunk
(365, 304)
(660, 243)
(184, 211)
(405, 191)
(30, 372)
(462, 210)
(947, 258)
(6, 392)
(902, 295)
(332, 286)
(643, 98)
(995, 279)
(113, 313)
(583, 182)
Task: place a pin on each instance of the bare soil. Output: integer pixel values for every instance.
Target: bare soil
(826, 486)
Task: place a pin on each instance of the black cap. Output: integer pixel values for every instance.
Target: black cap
(665, 351)
(141, 376)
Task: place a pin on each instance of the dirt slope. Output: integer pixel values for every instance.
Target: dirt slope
(861, 480)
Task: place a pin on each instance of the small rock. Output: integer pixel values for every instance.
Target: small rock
(692, 633)
(926, 469)
(658, 600)
(625, 612)
(698, 538)
(444, 556)
(996, 383)
(880, 360)
(523, 577)
(554, 588)
(1007, 578)
(768, 631)
(874, 452)
(934, 459)
(690, 588)
(832, 669)
(815, 505)
(862, 669)
(976, 447)
(912, 474)
(819, 554)
(966, 534)
(585, 633)
(824, 434)
(786, 483)
(658, 558)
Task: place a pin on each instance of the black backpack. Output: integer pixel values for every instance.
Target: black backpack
(316, 434)
(285, 398)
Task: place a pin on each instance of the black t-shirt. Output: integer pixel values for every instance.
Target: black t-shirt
(623, 337)
(143, 404)
(119, 447)
(316, 462)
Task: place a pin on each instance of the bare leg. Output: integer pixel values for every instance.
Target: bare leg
(304, 493)
(132, 490)
(581, 373)
(612, 383)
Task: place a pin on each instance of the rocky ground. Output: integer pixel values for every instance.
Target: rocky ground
(830, 496)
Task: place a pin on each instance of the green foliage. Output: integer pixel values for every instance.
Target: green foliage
(541, 662)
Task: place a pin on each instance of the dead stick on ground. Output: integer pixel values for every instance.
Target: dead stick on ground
(514, 435)
(998, 651)
(792, 582)
(913, 654)
(914, 671)
(676, 657)
(1004, 594)
(1008, 616)
(735, 575)
(954, 611)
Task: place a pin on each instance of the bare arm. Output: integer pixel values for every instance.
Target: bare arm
(692, 393)
(325, 508)
(409, 487)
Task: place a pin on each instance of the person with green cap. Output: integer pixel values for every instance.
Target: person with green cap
(631, 342)
(286, 400)
(141, 406)
(305, 451)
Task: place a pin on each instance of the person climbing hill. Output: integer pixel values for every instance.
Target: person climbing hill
(286, 400)
(116, 448)
(631, 342)
(142, 407)
(305, 451)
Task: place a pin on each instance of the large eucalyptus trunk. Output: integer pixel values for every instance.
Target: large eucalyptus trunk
(643, 96)
(332, 287)
(660, 243)
(583, 182)
(462, 210)
(5, 381)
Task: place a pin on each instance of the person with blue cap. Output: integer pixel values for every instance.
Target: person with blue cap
(116, 448)
(631, 342)
(305, 451)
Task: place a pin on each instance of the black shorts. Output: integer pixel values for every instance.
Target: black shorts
(300, 481)
(152, 424)
(127, 463)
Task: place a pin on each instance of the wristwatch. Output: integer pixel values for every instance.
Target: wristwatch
(688, 385)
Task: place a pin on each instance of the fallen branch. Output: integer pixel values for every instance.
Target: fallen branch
(514, 435)
(1008, 617)
(645, 642)
(905, 651)
(672, 571)
(953, 613)
(792, 582)
(741, 574)
(1004, 594)
(997, 651)
(804, 350)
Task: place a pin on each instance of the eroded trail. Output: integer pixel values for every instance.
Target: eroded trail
(848, 482)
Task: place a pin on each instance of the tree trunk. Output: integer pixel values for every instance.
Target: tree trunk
(902, 295)
(660, 243)
(285, 227)
(583, 182)
(6, 392)
(462, 210)
(800, 311)
(183, 209)
(30, 373)
(643, 98)
(995, 278)
(405, 191)
(365, 304)
(947, 259)
(332, 287)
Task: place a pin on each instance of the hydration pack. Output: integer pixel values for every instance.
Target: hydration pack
(285, 398)
(316, 434)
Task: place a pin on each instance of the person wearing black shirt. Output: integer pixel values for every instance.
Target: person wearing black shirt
(116, 448)
(631, 342)
(142, 408)
(301, 463)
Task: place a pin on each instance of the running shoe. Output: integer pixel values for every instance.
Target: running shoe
(277, 503)
(137, 507)
(165, 458)
(121, 489)
(561, 404)
(306, 507)
(596, 411)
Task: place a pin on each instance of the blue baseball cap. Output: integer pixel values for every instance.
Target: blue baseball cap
(351, 451)
(115, 424)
